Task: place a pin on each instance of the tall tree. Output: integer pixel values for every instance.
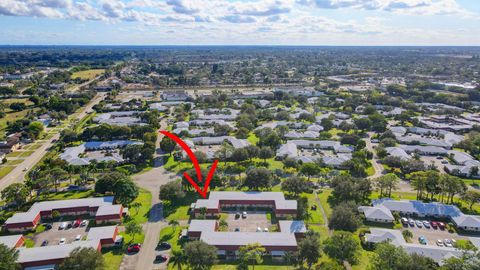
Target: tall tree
(8, 258)
(16, 193)
(345, 217)
(133, 228)
(167, 145)
(177, 259)
(251, 254)
(295, 185)
(125, 190)
(200, 255)
(310, 169)
(83, 259)
(309, 249)
(471, 197)
(265, 153)
(342, 246)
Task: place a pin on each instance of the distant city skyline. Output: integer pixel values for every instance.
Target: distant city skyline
(236, 22)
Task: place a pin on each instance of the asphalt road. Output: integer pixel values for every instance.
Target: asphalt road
(151, 181)
(376, 165)
(18, 174)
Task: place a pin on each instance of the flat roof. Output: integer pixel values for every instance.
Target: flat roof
(106, 210)
(98, 233)
(10, 240)
(54, 252)
(245, 238)
(59, 204)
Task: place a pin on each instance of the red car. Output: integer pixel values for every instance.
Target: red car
(77, 223)
(434, 224)
(441, 225)
(134, 248)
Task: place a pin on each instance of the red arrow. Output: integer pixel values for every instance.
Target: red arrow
(194, 160)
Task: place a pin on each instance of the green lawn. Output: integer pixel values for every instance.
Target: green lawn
(323, 196)
(13, 154)
(26, 153)
(315, 215)
(4, 170)
(87, 74)
(14, 162)
(170, 235)
(252, 138)
(140, 215)
(113, 258)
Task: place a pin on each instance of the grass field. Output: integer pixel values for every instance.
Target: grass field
(4, 170)
(140, 215)
(323, 196)
(87, 74)
(14, 162)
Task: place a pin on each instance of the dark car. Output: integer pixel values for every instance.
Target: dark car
(134, 248)
(48, 226)
(69, 225)
(163, 246)
(160, 258)
(44, 243)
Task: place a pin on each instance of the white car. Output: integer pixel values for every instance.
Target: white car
(265, 230)
(440, 243)
(62, 241)
(78, 237)
(62, 226)
(448, 243)
(259, 229)
(244, 214)
(84, 223)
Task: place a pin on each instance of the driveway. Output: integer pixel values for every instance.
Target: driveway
(151, 181)
(376, 165)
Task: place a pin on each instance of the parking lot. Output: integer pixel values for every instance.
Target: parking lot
(253, 220)
(431, 234)
(54, 235)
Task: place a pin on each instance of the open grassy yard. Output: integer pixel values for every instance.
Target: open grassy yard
(87, 74)
(113, 258)
(315, 215)
(323, 197)
(140, 215)
(4, 170)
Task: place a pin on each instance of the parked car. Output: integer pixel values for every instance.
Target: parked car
(78, 237)
(422, 240)
(62, 241)
(44, 243)
(244, 214)
(441, 225)
(134, 248)
(411, 222)
(118, 241)
(404, 221)
(259, 229)
(163, 246)
(47, 226)
(448, 243)
(454, 242)
(237, 215)
(237, 229)
(160, 259)
(77, 223)
(69, 225)
(84, 223)
(440, 243)
(434, 224)
(62, 226)
(419, 223)
(265, 229)
(426, 224)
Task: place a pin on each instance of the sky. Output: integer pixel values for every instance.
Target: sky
(240, 22)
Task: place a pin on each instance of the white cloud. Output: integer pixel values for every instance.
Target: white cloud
(412, 7)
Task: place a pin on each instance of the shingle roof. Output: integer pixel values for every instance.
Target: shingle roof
(10, 240)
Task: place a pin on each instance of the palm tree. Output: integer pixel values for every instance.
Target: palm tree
(177, 259)
(174, 223)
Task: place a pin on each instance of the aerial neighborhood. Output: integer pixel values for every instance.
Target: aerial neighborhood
(338, 161)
